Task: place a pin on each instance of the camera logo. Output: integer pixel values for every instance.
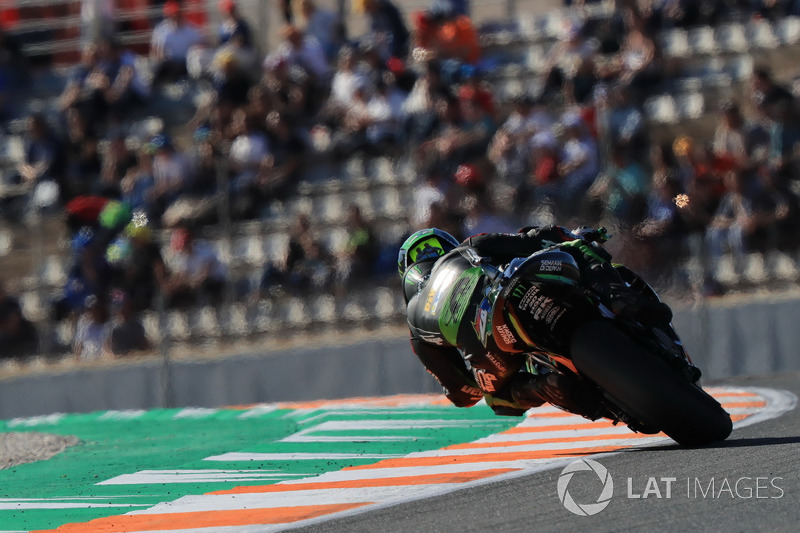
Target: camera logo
(585, 509)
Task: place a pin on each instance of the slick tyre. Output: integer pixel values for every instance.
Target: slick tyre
(646, 388)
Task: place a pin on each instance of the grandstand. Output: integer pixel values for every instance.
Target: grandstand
(702, 61)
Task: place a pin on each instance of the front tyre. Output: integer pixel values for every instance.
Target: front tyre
(647, 388)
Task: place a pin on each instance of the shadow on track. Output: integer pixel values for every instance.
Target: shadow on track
(730, 443)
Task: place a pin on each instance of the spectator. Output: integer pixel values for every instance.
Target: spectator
(81, 158)
(638, 59)
(301, 52)
(314, 272)
(231, 82)
(473, 88)
(734, 223)
(197, 276)
(442, 217)
(784, 136)
(170, 44)
(420, 105)
(482, 217)
(545, 178)
(276, 273)
(624, 121)
(444, 34)
(321, 24)
(351, 136)
(579, 163)
(118, 161)
(622, 189)
(387, 27)
(757, 132)
(18, 336)
(279, 172)
(127, 331)
(125, 89)
(778, 209)
(88, 274)
(41, 167)
(145, 273)
(171, 175)
(346, 79)
(233, 29)
(763, 89)
(204, 157)
(13, 71)
(385, 109)
(93, 332)
(729, 138)
(360, 252)
(84, 89)
(444, 147)
(249, 151)
(511, 158)
(431, 191)
(570, 66)
(138, 184)
(660, 236)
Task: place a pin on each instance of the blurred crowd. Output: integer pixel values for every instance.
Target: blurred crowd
(574, 149)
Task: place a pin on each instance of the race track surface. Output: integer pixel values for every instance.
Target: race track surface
(767, 452)
(406, 463)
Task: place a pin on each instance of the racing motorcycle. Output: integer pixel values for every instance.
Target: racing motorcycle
(540, 308)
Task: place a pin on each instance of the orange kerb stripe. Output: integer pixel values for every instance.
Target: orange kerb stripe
(166, 522)
(561, 427)
(428, 479)
(736, 418)
(391, 401)
(468, 446)
(731, 393)
(483, 458)
(555, 414)
(732, 405)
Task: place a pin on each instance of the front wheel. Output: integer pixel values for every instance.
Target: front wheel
(647, 388)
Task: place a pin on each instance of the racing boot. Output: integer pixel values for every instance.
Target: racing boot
(532, 390)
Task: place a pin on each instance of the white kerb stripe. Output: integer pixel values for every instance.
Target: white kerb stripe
(294, 498)
(255, 456)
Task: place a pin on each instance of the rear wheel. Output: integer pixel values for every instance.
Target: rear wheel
(646, 388)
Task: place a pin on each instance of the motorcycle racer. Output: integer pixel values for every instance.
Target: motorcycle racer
(446, 286)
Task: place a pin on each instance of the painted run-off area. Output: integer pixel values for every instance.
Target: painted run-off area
(175, 443)
(285, 464)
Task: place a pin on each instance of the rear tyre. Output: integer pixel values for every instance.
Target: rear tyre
(646, 387)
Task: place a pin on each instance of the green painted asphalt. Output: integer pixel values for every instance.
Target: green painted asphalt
(118, 443)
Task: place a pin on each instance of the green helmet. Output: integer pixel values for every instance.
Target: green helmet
(424, 245)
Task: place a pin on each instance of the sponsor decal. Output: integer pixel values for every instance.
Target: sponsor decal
(432, 338)
(429, 300)
(550, 265)
(440, 285)
(472, 391)
(497, 362)
(518, 291)
(485, 380)
(483, 321)
(506, 335)
(543, 308)
(457, 302)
